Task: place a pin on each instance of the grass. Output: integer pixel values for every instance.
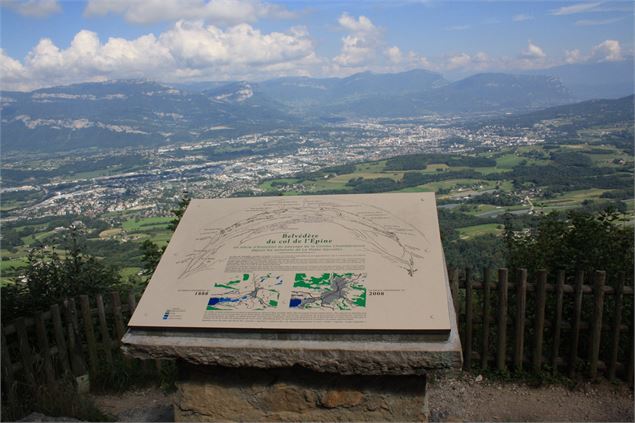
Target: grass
(508, 161)
(129, 271)
(39, 237)
(108, 233)
(12, 263)
(573, 198)
(266, 185)
(468, 232)
(371, 167)
(143, 224)
(435, 167)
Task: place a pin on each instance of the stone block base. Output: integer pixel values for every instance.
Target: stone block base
(211, 393)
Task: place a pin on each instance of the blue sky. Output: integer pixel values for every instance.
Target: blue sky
(50, 42)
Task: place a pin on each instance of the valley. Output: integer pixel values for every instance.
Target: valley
(482, 170)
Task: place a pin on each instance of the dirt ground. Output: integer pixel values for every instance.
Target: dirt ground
(145, 405)
(456, 399)
(472, 398)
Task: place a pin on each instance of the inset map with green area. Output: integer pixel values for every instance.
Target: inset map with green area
(329, 291)
(246, 292)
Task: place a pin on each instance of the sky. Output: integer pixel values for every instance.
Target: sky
(55, 42)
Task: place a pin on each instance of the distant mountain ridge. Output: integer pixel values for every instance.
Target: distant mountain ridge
(586, 81)
(140, 112)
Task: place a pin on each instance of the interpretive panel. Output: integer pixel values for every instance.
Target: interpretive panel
(336, 262)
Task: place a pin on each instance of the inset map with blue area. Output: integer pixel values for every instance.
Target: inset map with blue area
(246, 292)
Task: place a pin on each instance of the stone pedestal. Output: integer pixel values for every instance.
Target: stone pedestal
(212, 393)
(229, 375)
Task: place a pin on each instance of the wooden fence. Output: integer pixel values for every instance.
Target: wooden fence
(552, 324)
(64, 341)
(560, 326)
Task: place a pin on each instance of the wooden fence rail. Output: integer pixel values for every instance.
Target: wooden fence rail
(578, 329)
(556, 323)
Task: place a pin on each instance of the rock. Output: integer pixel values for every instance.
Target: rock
(339, 398)
(283, 397)
(479, 378)
(295, 394)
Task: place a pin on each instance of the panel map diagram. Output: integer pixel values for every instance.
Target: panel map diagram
(246, 292)
(334, 262)
(328, 291)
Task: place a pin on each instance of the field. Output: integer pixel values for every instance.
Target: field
(489, 179)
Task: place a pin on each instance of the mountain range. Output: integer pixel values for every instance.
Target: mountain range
(134, 112)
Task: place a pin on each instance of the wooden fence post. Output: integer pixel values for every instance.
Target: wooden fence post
(78, 365)
(60, 341)
(103, 328)
(45, 352)
(84, 304)
(116, 311)
(486, 318)
(539, 326)
(575, 327)
(502, 320)
(454, 287)
(615, 328)
(7, 369)
(132, 302)
(596, 328)
(25, 351)
(467, 348)
(557, 321)
(631, 359)
(521, 304)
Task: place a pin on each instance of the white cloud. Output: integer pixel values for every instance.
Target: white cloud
(573, 56)
(227, 12)
(596, 22)
(359, 25)
(12, 73)
(458, 61)
(394, 55)
(473, 62)
(33, 8)
(521, 18)
(360, 46)
(186, 51)
(533, 52)
(575, 8)
(607, 51)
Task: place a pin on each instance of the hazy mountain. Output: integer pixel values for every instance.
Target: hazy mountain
(595, 80)
(315, 93)
(475, 94)
(587, 113)
(120, 113)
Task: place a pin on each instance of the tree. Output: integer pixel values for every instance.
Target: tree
(50, 277)
(151, 252)
(573, 241)
(179, 211)
(151, 255)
